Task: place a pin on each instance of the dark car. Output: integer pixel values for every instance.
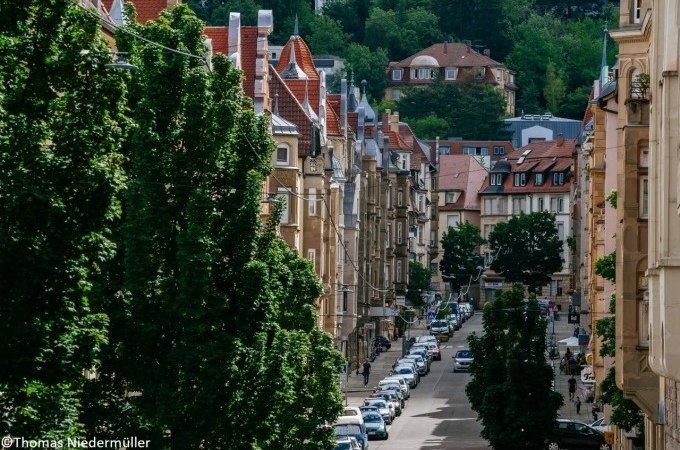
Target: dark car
(573, 435)
(384, 342)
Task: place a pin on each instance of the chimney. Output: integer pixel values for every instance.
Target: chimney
(234, 39)
(487, 52)
(343, 106)
(394, 122)
(172, 3)
(560, 139)
(386, 120)
(445, 47)
(264, 28)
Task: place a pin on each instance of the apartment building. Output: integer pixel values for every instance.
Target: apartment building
(451, 62)
(537, 177)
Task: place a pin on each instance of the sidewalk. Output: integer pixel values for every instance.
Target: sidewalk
(382, 366)
(564, 330)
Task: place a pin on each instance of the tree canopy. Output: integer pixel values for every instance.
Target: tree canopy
(469, 109)
(461, 261)
(510, 371)
(419, 280)
(527, 249)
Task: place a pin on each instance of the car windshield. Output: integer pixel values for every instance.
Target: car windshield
(350, 412)
(405, 370)
(439, 323)
(377, 404)
(347, 430)
(343, 446)
(372, 418)
(464, 354)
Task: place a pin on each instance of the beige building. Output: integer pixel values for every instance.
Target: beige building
(663, 269)
(451, 62)
(460, 179)
(536, 177)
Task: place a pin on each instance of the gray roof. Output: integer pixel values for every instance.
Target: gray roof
(282, 126)
(570, 128)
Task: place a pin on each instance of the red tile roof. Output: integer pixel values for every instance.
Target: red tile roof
(292, 110)
(451, 55)
(146, 9)
(332, 122)
(353, 122)
(396, 141)
(456, 146)
(248, 57)
(546, 156)
(220, 39)
(462, 173)
(418, 155)
(303, 57)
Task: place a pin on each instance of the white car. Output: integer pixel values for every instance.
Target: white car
(601, 425)
(386, 384)
(462, 360)
(409, 374)
(432, 348)
(402, 382)
(385, 409)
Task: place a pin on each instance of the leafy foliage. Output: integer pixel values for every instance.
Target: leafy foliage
(470, 109)
(326, 37)
(461, 260)
(419, 280)
(528, 249)
(625, 413)
(606, 329)
(61, 124)
(513, 345)
(366, 64)
(606, 267)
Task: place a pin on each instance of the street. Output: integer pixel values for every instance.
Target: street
(438, 415)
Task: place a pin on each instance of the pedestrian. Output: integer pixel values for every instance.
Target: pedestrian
(366, 372)
(578, 405)
(595, 409)
(572, 387)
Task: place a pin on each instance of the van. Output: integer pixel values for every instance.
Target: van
(352, 426)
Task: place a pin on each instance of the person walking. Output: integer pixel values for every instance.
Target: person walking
(572, 387)
(366, 372)
(595, 409)
(578, 405)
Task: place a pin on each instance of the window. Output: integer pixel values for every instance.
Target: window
(487, 230)
(282, 156)
(398, 278)
(311, 255)
(541, 206)
(389, 196)
(499, 75)
(536, 139)
(433, 238)
(388, 236)
(400, 232)
(451, 197)
(396, 95)
(556, 204)
(560, 231)
(520, 179)
(476, 151)
(311, 202)
(636, 10)
(400, 197)
(518, 205)
(396, 74)
(488, 206)
(388, 275)
(285, 214)
(420, 234)
(644, 157)
(444, 149)
(451, 73)
(496, 179)
(539, 179)
(644, 197)
(499, 150)
(422, 73)
(452, 220)
(434, 268)
(558, 178)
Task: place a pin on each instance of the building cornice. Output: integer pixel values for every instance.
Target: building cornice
(635, 33)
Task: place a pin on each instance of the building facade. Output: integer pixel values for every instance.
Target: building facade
(451, 62)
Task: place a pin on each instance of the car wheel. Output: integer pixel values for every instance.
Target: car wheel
(553, 446)
(387, 435)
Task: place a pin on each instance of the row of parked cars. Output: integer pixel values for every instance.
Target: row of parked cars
(445, 326)
(381, 408)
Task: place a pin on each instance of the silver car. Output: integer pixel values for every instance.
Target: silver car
(462, 360)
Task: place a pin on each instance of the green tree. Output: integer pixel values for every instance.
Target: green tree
(327, 37)
(527, 249)
(606, 267)
(513, 345)
(429, 127)
(369, 65)
(220, 14)
(419, 280)
(220, 334)
(352, 14)
(461, 260)
(554, 89)
(61, 124)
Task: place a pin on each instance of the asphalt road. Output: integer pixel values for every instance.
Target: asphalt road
(438, 415)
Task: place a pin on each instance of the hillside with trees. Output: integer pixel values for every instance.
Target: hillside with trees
(554, 46)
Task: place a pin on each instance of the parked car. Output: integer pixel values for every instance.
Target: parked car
(423, 353)
(376, 426)
(402, 383)
(395, 386)
(347, 443)
(431, 347)
(454, 321)
(386, 412)
(351, 411)
(572, 434)
(462, 360)
(384, 342)
(601, 425)
(427, 338)
(352, 426)
(409, 373)
(441, 329)
(421, 365)
(391, 397)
